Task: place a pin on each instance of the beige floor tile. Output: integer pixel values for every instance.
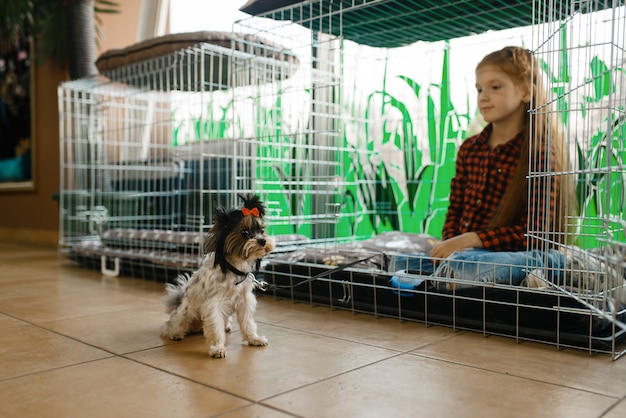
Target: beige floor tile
(112, 387)
(44, 302)
(119, 332)
(8, 322)
(37, 278)
(69, 279)
(572, 368)
(383, 332)
(29, 349)
(152, 289)
(42, 287)
(292, 359)
(256, 411)
(618, 411)
(408, 385)
(274, 311)
(23, 268)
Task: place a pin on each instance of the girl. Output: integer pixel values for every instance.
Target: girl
(485, 232)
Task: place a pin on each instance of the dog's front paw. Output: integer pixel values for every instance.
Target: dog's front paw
(257, 340)
(217, 351)
(167, 333)
(175, 337)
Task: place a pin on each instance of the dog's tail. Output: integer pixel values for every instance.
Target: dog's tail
(175, 292)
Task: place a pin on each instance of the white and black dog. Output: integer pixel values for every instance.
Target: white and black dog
(224, 284)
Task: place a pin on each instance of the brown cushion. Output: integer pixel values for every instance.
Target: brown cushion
(164, 45)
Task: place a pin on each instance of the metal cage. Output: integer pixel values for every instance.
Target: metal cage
(347, 127)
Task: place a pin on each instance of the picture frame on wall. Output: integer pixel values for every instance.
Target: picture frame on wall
(17, 139)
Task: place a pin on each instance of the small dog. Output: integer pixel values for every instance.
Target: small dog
(224, 284)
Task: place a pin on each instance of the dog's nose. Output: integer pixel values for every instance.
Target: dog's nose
(262, 242)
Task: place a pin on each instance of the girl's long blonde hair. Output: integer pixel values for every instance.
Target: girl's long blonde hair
(522, 66)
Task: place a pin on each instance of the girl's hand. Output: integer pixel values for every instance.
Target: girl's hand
(458, 243)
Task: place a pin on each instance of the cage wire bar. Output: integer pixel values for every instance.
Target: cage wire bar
(321, 110)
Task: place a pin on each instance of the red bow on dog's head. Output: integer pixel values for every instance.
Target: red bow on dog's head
(253, 211)
(252, 206)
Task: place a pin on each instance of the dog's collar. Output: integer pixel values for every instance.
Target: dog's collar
(234, 269)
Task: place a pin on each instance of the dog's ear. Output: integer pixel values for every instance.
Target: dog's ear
(220, 219)
(220, 223)
(252, 202)
(220, 214)
(223, 222)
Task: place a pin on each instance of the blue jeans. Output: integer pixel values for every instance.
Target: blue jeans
(477, 265)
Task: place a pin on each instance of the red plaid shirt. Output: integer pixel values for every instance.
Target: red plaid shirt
(481, 177)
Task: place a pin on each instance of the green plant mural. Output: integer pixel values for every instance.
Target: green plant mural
(418, 202)
(601, 191)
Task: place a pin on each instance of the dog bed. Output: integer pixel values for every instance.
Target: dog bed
(182, 54)
(524, 312)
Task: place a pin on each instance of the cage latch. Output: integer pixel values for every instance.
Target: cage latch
(110, 272)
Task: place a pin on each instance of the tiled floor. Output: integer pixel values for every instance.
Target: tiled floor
(78, 344)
